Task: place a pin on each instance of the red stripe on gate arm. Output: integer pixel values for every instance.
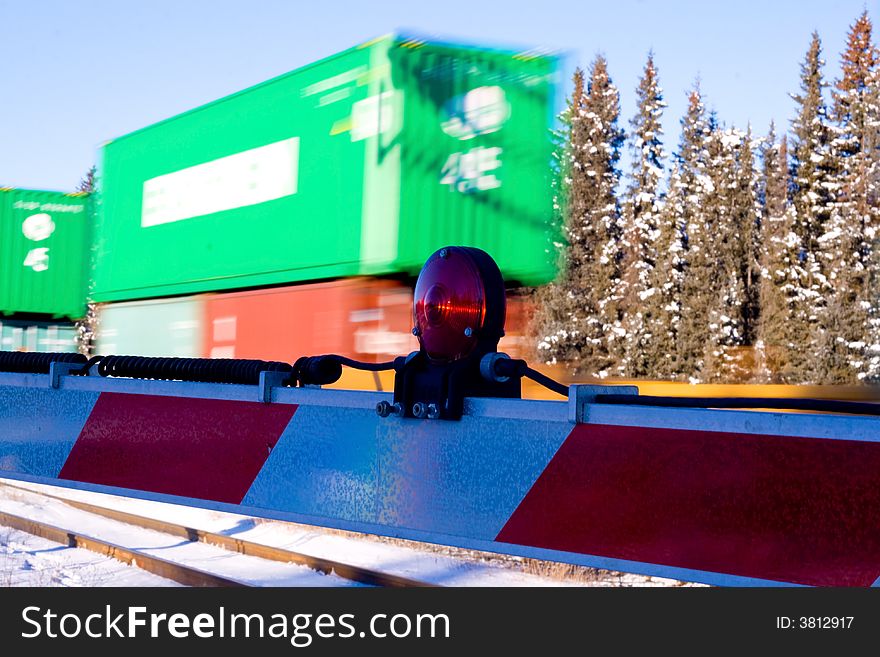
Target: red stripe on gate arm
(209, 449)
(788, 509)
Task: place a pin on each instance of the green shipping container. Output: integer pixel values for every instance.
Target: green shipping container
(360, 164)
(43, 253)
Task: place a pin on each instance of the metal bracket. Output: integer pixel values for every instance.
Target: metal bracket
(426, 390)
(580, 397)
(57, 370)
(270, 380)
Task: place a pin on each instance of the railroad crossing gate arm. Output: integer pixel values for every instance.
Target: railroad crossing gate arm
(717, 496)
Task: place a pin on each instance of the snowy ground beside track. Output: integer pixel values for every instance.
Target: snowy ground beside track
(27, 560)
(434, 564)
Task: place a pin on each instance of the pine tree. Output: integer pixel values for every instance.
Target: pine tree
(749, 215)
(810, 158)
(812, 199)
(871, 149)
(850, 342)
(585, 325)
(852, 92)
(555, 310)
(87, 184)
(735, 233)
(774, 186)
(603, 156)
(690, 191)
(86, 327)
(731, 223)
(784, 326)
(561, 174)
(642, 299)
(667, 279)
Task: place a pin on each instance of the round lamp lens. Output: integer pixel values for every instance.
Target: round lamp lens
(450, 304)
(437, 305)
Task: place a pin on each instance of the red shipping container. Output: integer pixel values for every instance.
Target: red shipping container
(517, 341)
(359, 318)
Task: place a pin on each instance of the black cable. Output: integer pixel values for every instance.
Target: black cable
(359, 365)
(35, 362)
(546, 381)
(327, 369)
(502, 366)
(820, 405)
(84, 370)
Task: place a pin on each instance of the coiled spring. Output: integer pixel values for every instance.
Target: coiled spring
(314, 370)
(35, 363)
(206, 370)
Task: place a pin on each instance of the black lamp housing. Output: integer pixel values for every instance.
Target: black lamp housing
(459, 310)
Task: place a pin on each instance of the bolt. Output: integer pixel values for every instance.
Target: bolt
(419, 410)
(444, 253)
(384, 409)
(433, 411)
(416, 332)
(468, 332)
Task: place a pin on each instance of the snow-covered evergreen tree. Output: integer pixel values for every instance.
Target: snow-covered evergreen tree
(86, 328)
(667, 277)
(555, 302)
(871, 149)
(690, 190)
(641, 298)
(749, 212)
(603, 156)
(561, 174)
(586, 330)
(850, 341)
(810, 157)
(812, 198)
(784, 326)
(732, 220)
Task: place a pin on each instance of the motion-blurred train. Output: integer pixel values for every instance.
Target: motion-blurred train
(292, 217)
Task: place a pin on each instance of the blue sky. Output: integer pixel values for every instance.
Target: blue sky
(78, 73)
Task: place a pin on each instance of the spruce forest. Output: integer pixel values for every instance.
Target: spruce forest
(740, 257)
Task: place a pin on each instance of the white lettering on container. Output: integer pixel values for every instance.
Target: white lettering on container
(253, 176)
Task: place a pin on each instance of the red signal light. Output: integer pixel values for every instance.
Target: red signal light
(459, 297)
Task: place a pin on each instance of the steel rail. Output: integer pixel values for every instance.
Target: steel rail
(172, 570)
(249, 548)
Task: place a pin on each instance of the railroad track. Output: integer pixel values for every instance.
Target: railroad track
(180, 572)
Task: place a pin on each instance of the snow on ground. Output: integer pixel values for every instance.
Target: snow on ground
(252, 570)
(27, 560)
(433, 564)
